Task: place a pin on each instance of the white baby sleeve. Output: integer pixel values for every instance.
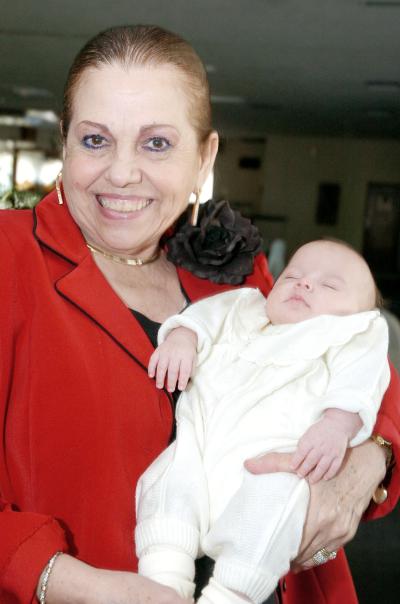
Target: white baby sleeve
(210, 318)
(172, 505)
(360, 375)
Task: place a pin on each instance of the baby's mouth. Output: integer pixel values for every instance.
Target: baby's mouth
(297, 298)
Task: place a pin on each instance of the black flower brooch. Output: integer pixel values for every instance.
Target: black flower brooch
(221, 247)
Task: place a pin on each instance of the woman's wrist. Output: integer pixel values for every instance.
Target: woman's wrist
(380, 494)
(365, 470)
(41, 592)
(70, 582)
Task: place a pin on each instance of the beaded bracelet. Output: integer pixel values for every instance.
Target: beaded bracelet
(46, 575)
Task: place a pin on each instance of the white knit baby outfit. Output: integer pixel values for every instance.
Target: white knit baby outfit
(257, 388)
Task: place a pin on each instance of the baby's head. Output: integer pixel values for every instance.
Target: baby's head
(322, 278)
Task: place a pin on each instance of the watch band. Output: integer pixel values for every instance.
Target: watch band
(386, 445)
(380, 495)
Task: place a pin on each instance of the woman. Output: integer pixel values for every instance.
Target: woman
(80, 420)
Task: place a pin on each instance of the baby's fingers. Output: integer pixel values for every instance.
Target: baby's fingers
(161, 372)
(151, 370)
(173, 373)
(308, 464)
(334, 468)
(303, 450)
(320, 471)
(297, 459)
(185, 371)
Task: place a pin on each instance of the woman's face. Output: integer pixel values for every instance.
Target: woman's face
(131, 157)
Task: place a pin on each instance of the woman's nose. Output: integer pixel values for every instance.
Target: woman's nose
(124, 170)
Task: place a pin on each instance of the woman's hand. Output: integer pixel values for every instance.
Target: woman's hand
(336, 506)
(74, 582)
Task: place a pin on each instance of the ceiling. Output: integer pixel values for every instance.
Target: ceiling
(327, 67)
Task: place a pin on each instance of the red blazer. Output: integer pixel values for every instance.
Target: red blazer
(79, 418)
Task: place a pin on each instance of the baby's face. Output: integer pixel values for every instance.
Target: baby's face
(322, 278)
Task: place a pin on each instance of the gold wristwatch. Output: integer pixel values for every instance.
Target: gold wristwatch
(381, 494)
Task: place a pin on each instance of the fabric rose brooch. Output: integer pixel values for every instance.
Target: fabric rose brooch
(221, 247)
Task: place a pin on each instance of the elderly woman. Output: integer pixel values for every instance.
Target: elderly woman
(86, 279)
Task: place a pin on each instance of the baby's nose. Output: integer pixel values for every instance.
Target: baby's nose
(306, 283)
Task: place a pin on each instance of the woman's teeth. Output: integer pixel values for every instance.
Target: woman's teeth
(123, 205)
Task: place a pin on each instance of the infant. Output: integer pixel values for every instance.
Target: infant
(302, 371)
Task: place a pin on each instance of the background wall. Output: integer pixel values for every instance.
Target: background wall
(294, 167)
(240, 185)
(291, 169)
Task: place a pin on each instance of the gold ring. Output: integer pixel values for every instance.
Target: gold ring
(323, 555)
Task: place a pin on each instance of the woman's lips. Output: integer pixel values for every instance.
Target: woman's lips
(123, 205)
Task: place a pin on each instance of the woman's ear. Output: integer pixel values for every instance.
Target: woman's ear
(208, 152)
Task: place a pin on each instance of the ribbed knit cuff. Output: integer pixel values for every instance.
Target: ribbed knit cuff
(167, 532)
(252, 582)
(215, 593)
(169, 567)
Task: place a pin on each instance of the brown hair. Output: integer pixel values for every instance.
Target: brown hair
(143, 45)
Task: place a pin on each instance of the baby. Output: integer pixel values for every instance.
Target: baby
(303, 370)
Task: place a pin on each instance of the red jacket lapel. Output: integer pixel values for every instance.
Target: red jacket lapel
(83, 284)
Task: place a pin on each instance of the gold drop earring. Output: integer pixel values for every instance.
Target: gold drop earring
(195, 209)
(58, 189)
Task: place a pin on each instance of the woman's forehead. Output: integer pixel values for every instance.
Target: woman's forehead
(114, 87)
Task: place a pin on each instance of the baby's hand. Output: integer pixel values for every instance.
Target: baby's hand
(174, 358)
(322, 447)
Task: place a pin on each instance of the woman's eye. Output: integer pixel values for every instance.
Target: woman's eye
(94, 141)
(157, 144)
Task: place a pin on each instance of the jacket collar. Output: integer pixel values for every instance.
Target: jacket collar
(83, 284)
(197, 288)
(55, 229)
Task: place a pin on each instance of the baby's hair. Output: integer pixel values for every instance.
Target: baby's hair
(378, 301)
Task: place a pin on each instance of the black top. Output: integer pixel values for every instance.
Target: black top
(151, 329)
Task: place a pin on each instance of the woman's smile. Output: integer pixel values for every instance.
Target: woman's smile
(123, 204)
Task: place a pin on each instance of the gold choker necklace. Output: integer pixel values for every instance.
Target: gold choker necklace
(123, 259)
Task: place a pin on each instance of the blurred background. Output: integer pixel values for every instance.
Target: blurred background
(306, 98)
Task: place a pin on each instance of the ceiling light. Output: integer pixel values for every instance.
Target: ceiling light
(39, 116)
(31, 92)
(228, 99)
(33, 118)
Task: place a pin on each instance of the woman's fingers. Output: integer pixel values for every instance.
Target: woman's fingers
(270, 462)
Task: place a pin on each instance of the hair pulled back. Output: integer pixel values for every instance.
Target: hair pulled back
(144, 45)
